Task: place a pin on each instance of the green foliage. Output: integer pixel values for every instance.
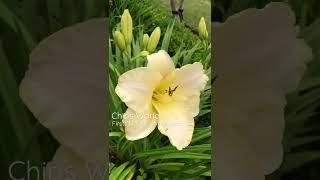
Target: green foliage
(302, 113)
(154, 157)
(151, 16)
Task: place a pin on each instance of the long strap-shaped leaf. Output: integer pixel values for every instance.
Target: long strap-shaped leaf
(7, 17)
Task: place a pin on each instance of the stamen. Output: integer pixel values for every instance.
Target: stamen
(172, 90)
(157, 95)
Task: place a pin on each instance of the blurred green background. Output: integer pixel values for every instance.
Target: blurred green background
(23, 24)
(302, 135)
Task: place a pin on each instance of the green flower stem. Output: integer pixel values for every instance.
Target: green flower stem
(125, 60)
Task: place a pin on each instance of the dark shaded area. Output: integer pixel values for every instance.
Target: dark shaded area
(301, 142)
(23, 24)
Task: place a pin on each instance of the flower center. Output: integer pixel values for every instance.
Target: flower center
(164, 95)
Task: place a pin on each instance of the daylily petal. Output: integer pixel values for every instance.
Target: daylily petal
(176, 122)
(65, 88)
(192, 103)
(238, 157)
(258, 60)
(161, 62)
(66, 164)
(191, 77)
(190, 80)
(135, 88)
(139, 125)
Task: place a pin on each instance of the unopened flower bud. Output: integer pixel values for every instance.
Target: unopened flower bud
(203, 33)
(154, 40)
(126, 26)
(120, 41)
(145, 40)
(144, 53)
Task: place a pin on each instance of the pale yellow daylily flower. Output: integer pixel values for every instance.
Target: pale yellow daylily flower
(258, 60)
(161, 95)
